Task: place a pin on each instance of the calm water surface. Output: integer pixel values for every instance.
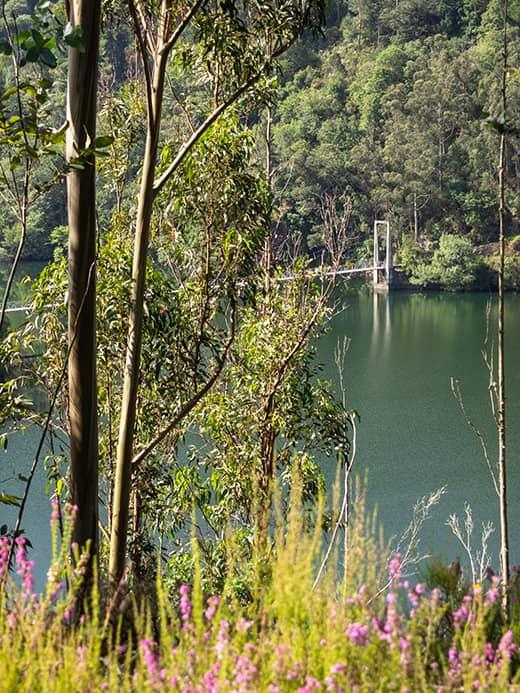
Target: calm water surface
(412, 438)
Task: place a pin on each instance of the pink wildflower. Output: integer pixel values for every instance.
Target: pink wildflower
(55, 510)
(245, 672)
(222, 638)
(506, 646)
(243, 625)
(394, 567)
(489, 652)
(211, 609)
(185, 603)
(460, 616)
(311, 684)
(357, 634)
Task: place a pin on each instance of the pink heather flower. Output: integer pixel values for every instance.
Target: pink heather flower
(81, 651)
(404, 646)
(453, 657)
(185, 603)
(21, 551)
(420, 589)
(323, 642)
(151, 660)
(5, 547)
(489, 652)
(55, 510)
(357, 634)
(273, 688)
(210, 679)
(460, 616)
(394, 567)
(296, 672)
(245, 672)
(338, 668)
(311, 684)
(393, 622)
(211, 609)
(331, 685)
(506, 646)
(243, 625)
(413, 599)
(222, 638)
(494, 591)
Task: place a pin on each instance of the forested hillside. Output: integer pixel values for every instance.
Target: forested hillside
(398, 108)
(395, 107)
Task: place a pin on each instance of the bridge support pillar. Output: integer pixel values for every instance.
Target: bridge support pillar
(383, 276)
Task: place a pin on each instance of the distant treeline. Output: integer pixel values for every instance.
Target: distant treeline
(398, 106)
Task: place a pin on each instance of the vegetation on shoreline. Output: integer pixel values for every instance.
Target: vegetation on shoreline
(372, 630)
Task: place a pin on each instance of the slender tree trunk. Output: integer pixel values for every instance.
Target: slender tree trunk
(81, 116)
(501, 423)
(415, 218)
(123, 480)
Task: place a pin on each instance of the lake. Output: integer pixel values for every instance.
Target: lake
(412, 437)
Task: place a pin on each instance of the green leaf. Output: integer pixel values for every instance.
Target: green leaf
(6, 499)
(32, 54)
(48, 58)
(73, 37)
(5, 48)
(103, 141)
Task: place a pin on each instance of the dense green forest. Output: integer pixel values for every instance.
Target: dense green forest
(395, 108)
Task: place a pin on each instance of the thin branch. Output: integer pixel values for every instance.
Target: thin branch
(190, 404)
(455, 389)
(168, 45)
(343, 513)
(19, 249)
(49, 415)
(208, 122)
(144, 57)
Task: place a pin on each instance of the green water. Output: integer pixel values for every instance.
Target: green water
(412, 438)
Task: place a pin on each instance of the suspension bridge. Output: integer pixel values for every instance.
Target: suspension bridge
(382, 272)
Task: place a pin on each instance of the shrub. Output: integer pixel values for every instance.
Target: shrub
(454, 265)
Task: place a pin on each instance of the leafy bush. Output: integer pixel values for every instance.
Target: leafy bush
(454, 265)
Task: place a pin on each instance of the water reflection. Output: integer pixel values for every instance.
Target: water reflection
(404, 349)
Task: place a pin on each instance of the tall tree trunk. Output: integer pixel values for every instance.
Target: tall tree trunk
(501, 422)
(81, 116)
(122, 484)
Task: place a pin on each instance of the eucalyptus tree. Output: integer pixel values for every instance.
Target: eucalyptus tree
(240, 42)
(84, 22)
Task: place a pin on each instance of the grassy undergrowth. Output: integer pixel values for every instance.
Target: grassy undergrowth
(368, 630)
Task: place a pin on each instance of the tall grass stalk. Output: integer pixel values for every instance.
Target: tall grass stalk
(288, 637)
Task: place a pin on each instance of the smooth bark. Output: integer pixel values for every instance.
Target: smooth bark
(501, 413)
(81, 191)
